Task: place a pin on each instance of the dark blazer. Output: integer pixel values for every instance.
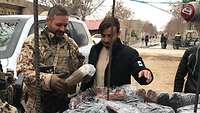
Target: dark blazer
(125, 62)
(186, 67)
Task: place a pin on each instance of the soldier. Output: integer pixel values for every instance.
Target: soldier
(58, 51)
(4, 106)
(7, 108)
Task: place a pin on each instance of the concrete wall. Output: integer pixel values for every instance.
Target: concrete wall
(29, 8)
(10, 7)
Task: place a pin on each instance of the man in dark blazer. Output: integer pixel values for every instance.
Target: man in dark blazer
(125, 60)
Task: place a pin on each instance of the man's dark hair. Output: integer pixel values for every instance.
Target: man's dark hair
(58, 10)
(109, 22)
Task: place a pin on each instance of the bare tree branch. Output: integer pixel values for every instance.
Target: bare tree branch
(82, 8)
(121, 11)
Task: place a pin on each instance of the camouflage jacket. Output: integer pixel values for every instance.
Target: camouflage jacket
(7, 108)
(61, 53)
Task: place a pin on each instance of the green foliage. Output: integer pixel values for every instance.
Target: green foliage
(187, 1)
(133, 34)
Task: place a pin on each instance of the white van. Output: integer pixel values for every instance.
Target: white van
(14, 29)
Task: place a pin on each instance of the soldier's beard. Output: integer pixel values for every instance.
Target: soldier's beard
(59, 34)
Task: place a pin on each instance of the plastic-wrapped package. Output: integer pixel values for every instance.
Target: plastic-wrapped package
(151, 107)
(178, 100)
(86, 96)
(94, 106)
(118, 107)
(104, 106)
(188, 109)
(129, 101)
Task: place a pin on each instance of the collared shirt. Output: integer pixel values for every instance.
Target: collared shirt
(101, 67)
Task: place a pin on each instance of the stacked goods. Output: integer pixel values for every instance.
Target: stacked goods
(122, 100)
(187, 109)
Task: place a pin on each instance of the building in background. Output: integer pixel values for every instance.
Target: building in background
(93, 25)
(11, 7)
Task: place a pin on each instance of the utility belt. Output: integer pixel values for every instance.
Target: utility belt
(53, 101)
(51, 69)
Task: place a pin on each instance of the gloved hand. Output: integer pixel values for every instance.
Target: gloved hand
(61, 85)
(58, 84)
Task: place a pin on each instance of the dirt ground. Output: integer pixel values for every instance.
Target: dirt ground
(163, 63)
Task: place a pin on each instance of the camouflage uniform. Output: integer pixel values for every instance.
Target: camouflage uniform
(60, 52)
(5, 95)
(6, 108)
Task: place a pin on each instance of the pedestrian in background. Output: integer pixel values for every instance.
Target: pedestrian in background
(163, 41)
(142, 41)
(146, 39)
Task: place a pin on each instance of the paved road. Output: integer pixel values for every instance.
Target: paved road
(154, 49)
(155, 43)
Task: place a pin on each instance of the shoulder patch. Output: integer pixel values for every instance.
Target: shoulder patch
(140, 63)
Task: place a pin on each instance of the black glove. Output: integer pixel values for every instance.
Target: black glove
(58, 84)
(86, 79)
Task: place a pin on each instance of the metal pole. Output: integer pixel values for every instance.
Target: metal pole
(110, 52)
(36, 56)
(198, 80)
(125, 39)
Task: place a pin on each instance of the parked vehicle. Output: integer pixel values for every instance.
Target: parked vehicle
(96, 38)
(14, 29)
(177, 41)
(189, 39)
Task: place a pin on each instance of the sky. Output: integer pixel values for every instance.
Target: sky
(142, 11)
